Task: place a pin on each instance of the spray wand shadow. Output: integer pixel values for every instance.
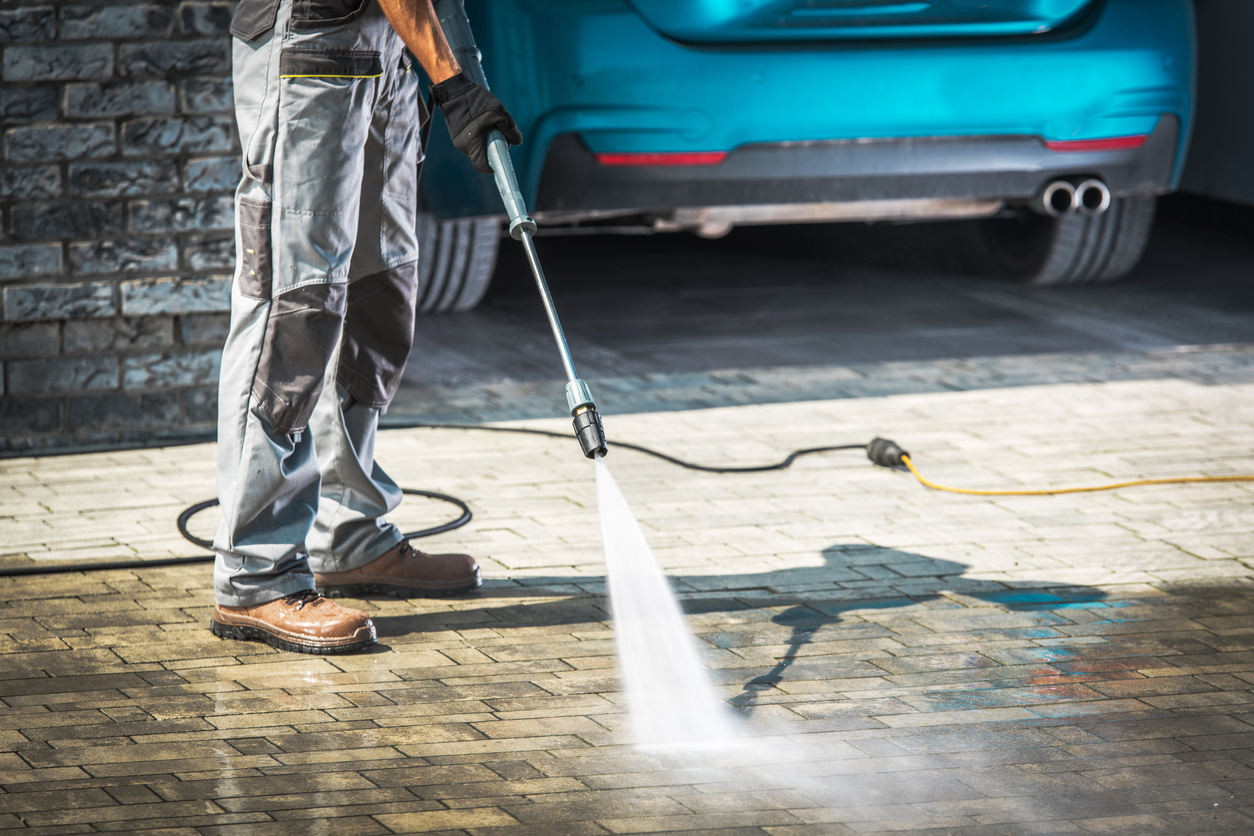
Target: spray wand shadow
(809, 618)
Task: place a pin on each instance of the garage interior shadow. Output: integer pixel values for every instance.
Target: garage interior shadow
(832, 294)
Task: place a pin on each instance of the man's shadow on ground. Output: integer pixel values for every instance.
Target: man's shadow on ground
(874, 578)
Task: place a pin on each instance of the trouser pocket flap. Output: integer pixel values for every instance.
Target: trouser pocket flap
(312, 15)
(296, 62)
(253, 18)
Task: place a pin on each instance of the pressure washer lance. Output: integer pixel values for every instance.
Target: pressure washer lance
(588, 428)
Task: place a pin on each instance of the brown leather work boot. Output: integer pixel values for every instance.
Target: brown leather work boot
(303, 622)
(404, 572)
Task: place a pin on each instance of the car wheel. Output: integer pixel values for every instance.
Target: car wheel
(1075, 248)
(456, 260)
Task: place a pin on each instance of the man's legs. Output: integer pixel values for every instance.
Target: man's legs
(304, 104)
(267, 475)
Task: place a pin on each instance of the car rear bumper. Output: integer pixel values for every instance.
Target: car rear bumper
(1011, 168)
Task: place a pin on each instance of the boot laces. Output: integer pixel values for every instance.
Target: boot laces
(305, 596)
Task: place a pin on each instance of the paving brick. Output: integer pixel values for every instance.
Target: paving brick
(170, 369)
(54, 301)
(146, 255)
(175, 296)
(63, 374)
(28, 103)
(49, 221)
(118, 98)
(118, 333)
(32, 181)
(176, 135)
(120, 21)
(30, 415)
(158, 58)
(182, 215)
(40, 339)
(439, 820)
(29, 260)
(59, 142)
(33, 23)
(58, 62)
(1177, 727)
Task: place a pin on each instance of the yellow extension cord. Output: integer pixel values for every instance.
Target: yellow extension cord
(1133, 484)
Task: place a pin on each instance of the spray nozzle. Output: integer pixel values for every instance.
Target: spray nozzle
(589, 431)
(885, 453)
(588, 427)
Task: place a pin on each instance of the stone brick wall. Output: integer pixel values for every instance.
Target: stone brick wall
(120, 156)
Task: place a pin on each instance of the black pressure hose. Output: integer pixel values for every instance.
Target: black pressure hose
(781, 465)
(185, 517)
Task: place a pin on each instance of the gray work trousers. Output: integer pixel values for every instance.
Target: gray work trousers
(322, 306)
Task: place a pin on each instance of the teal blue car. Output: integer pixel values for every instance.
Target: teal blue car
(1055, 122)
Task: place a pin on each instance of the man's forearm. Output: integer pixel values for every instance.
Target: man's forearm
(415, 22)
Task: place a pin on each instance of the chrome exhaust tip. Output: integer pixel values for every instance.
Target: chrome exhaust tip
(1056, 199)
(1092, 197)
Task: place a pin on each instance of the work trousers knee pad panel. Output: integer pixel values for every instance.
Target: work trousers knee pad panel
(378, 334)
(302, 331)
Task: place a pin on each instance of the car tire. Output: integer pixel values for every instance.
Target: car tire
(1075, 248)
(456, 260)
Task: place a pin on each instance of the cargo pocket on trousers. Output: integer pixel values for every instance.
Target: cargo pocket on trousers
(308, 15)
(378, 334)
(302, 332)
(255, 264)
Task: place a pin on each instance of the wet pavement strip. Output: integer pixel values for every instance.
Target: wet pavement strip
(936, 663)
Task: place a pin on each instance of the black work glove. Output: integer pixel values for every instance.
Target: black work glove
(471, 111)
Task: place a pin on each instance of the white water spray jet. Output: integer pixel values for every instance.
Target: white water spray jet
(671, 702)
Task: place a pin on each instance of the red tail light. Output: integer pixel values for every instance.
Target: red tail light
(668, 158)
(1114, 143)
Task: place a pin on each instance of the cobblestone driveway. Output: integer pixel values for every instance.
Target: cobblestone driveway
(938, 663)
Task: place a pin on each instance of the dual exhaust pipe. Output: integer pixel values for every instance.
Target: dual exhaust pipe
(1061, 197)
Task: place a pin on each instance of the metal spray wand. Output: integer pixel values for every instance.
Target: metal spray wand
(456, 26)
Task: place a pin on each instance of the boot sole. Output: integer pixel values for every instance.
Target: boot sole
(365, 590)
(242, 632)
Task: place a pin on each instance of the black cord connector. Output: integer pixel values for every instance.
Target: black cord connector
(885, 453)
